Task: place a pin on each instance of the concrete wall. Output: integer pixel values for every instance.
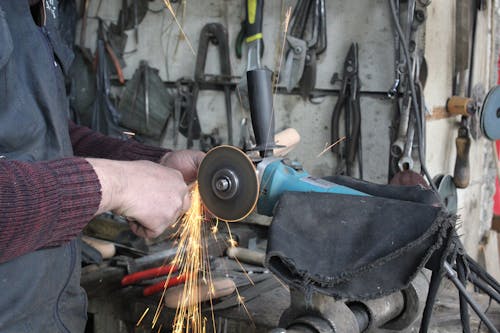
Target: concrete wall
(474, 202)
(348, 21)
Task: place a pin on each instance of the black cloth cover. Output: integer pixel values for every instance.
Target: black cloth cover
(353, 247)
(132, 103)
(415, 193)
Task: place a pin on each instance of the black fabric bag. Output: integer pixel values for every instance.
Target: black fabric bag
(356, 247)
(147, 119)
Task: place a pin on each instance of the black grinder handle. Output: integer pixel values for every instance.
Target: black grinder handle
(260, 98)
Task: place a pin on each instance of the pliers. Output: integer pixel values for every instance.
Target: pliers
(306, 41)
(154, 273)
(349, 100)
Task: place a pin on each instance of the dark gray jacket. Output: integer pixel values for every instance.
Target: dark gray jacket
(40, 291)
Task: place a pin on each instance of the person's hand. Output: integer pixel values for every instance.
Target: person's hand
(186, 161)
(150, 196)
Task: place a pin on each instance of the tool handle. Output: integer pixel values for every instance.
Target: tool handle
(247, 256)
(147, 274)
(260, 99)
(287, 138)
(204, 292)
(457, 105)
(461, 174)
(253, 20)
(116, 63)
(105, 248)
(160, 286)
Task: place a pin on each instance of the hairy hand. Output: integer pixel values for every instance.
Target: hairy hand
(186, 161)
(150, 196)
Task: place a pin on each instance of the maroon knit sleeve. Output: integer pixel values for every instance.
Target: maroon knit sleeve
(44, 204)
(88, 143)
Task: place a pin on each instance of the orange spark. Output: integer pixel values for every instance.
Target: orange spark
(171, 10)
(142, 317)
(332, 145)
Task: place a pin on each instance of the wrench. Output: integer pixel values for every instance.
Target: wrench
(406, 161)
(398, 146)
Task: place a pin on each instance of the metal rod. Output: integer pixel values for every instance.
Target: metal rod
(483, 274)
(452, 275)
(483, 286)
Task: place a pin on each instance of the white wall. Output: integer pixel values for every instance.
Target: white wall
(365, 22)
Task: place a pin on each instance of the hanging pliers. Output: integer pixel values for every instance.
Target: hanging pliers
(306, 41)
(349, 100)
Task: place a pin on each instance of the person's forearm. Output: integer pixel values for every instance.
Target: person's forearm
(87, 143)
(45, 203)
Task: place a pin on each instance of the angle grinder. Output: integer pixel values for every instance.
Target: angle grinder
(232, 185)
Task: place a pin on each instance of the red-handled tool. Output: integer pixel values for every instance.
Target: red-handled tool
(154, 273)
(160, 286)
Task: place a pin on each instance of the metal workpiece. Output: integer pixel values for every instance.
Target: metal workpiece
(311, 324)
(414, 302)
(321, 313)
(381, 310)
(331, 314)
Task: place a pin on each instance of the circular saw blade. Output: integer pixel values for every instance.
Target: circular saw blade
(228, 183)
(448, 191)
(490, 114)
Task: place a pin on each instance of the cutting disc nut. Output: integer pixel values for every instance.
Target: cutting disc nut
(225, 184)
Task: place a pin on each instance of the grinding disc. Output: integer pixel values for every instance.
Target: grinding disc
(448, 191)
(490, 114)
(228, 183)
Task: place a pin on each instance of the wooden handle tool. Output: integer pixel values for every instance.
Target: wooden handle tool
(461, 174)
(247, 256)
(218, 288)
(289, 138)
(106, 249)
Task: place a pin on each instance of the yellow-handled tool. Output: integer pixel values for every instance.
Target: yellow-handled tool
(253, 29)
